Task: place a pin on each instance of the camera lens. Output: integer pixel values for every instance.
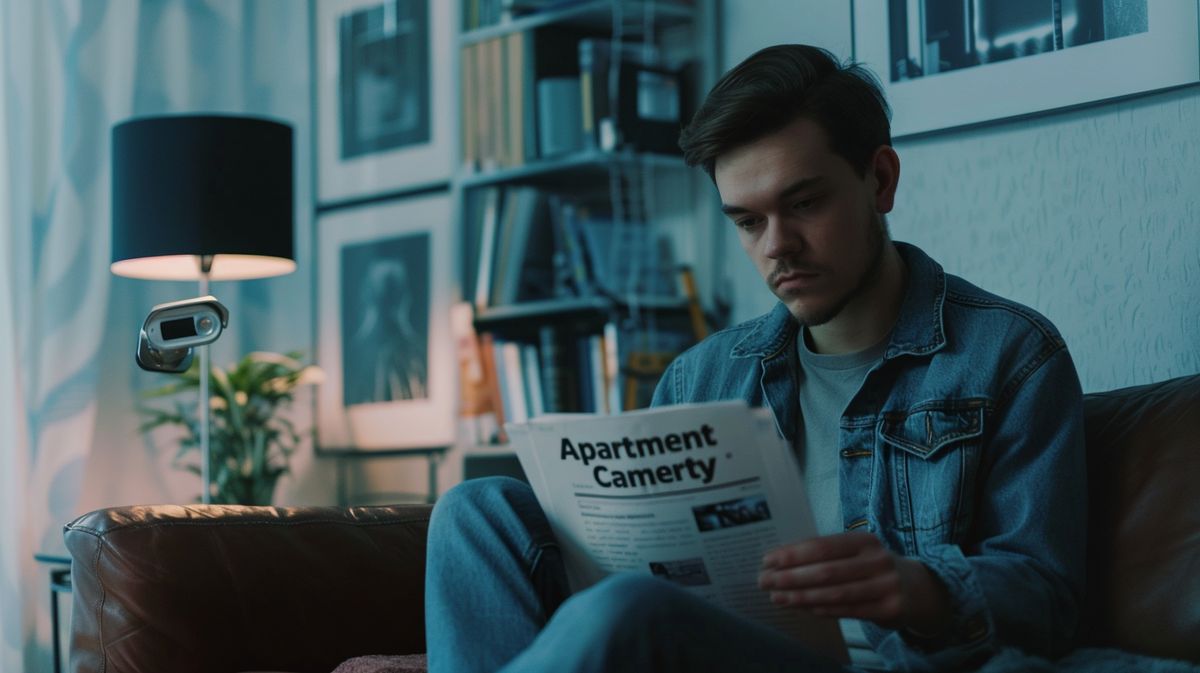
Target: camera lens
(205, 324)
(179, 328)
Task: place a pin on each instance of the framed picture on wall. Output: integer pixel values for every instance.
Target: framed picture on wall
(384, 78)
(947, 64)
(383, 336)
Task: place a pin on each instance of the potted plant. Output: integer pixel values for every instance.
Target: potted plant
(250, 442)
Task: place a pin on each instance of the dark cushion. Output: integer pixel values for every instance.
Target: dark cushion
(1144, 533)
(218, 589)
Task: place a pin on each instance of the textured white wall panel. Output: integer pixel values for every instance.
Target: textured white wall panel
(1091, 216)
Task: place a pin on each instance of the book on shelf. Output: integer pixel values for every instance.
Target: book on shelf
(507, 230)
(477, 424)
(501, 119)
(597, 377)
(557, 370)
(487, 352)
(473, 393)
(512, 373)
(533, 382)
(523, 259)
(469, 87)
(562, 369)
(493, 109)
(559, 117)
(525, 245)
(612, 367)
(508, 249)
(568, 241)
(488, 214)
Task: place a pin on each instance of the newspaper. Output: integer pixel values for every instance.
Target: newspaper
(694, 493)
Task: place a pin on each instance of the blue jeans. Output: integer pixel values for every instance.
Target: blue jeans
(496, 599)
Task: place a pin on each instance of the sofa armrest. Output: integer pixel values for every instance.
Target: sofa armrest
(226, 588)
(1143, 546)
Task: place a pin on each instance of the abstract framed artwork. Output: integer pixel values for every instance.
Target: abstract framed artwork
(947, 64)
(384, 86)
(383, 336)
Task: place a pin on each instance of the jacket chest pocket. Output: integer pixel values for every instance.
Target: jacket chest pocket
(934, 451)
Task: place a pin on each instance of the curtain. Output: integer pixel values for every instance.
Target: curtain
(69, 390)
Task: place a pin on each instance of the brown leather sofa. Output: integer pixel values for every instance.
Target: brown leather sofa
(221, 589)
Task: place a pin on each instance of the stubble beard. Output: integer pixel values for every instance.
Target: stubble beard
(866, 280)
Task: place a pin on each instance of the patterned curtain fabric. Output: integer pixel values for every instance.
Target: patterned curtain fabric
(69, 71)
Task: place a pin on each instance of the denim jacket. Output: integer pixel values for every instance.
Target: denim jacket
(963, 448)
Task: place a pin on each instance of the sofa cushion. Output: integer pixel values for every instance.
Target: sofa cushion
(211, 589)
(1144, 532)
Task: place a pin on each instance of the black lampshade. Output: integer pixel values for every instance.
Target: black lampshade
(190, 186)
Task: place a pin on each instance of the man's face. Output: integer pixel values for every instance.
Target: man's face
(808, 221)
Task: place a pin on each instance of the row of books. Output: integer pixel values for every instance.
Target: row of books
(558, 369)
(540, 94)
(524, 244)
(562, 371)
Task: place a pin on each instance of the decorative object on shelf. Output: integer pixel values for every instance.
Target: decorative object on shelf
(384, 96)
(949, 64)
(250, 441)
(202, 197)
(642, 110)
(383, 316)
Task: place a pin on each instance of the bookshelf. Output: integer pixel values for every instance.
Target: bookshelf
(575, 208)
(570, 173)
(574, 308)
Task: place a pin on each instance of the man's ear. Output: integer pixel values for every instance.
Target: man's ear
(884, 168)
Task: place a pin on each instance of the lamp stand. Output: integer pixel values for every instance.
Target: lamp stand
(205, 407)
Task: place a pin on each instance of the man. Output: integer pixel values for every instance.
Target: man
(939, 428)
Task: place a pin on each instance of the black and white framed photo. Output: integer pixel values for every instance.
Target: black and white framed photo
(384, 88)
(948, 63)
(383, 336)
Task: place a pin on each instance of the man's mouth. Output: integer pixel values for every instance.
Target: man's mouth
(794, 279)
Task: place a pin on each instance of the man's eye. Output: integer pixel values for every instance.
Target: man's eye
(805, 204)
(746, 223)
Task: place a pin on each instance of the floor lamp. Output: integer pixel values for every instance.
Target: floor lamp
(202, 198)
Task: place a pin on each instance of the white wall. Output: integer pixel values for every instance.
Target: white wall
(1090, 216)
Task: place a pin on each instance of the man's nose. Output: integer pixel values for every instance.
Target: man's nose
(779, 240)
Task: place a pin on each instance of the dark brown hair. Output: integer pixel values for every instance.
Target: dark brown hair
(779, 84)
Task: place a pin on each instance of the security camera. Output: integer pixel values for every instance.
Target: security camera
(172, 330)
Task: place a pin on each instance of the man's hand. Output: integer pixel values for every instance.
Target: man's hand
(853, 575)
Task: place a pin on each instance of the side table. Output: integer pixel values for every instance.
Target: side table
(60, 583)
(432, 455)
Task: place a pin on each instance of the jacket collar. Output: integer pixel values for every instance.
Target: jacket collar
(920, 328)
(918, 331)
